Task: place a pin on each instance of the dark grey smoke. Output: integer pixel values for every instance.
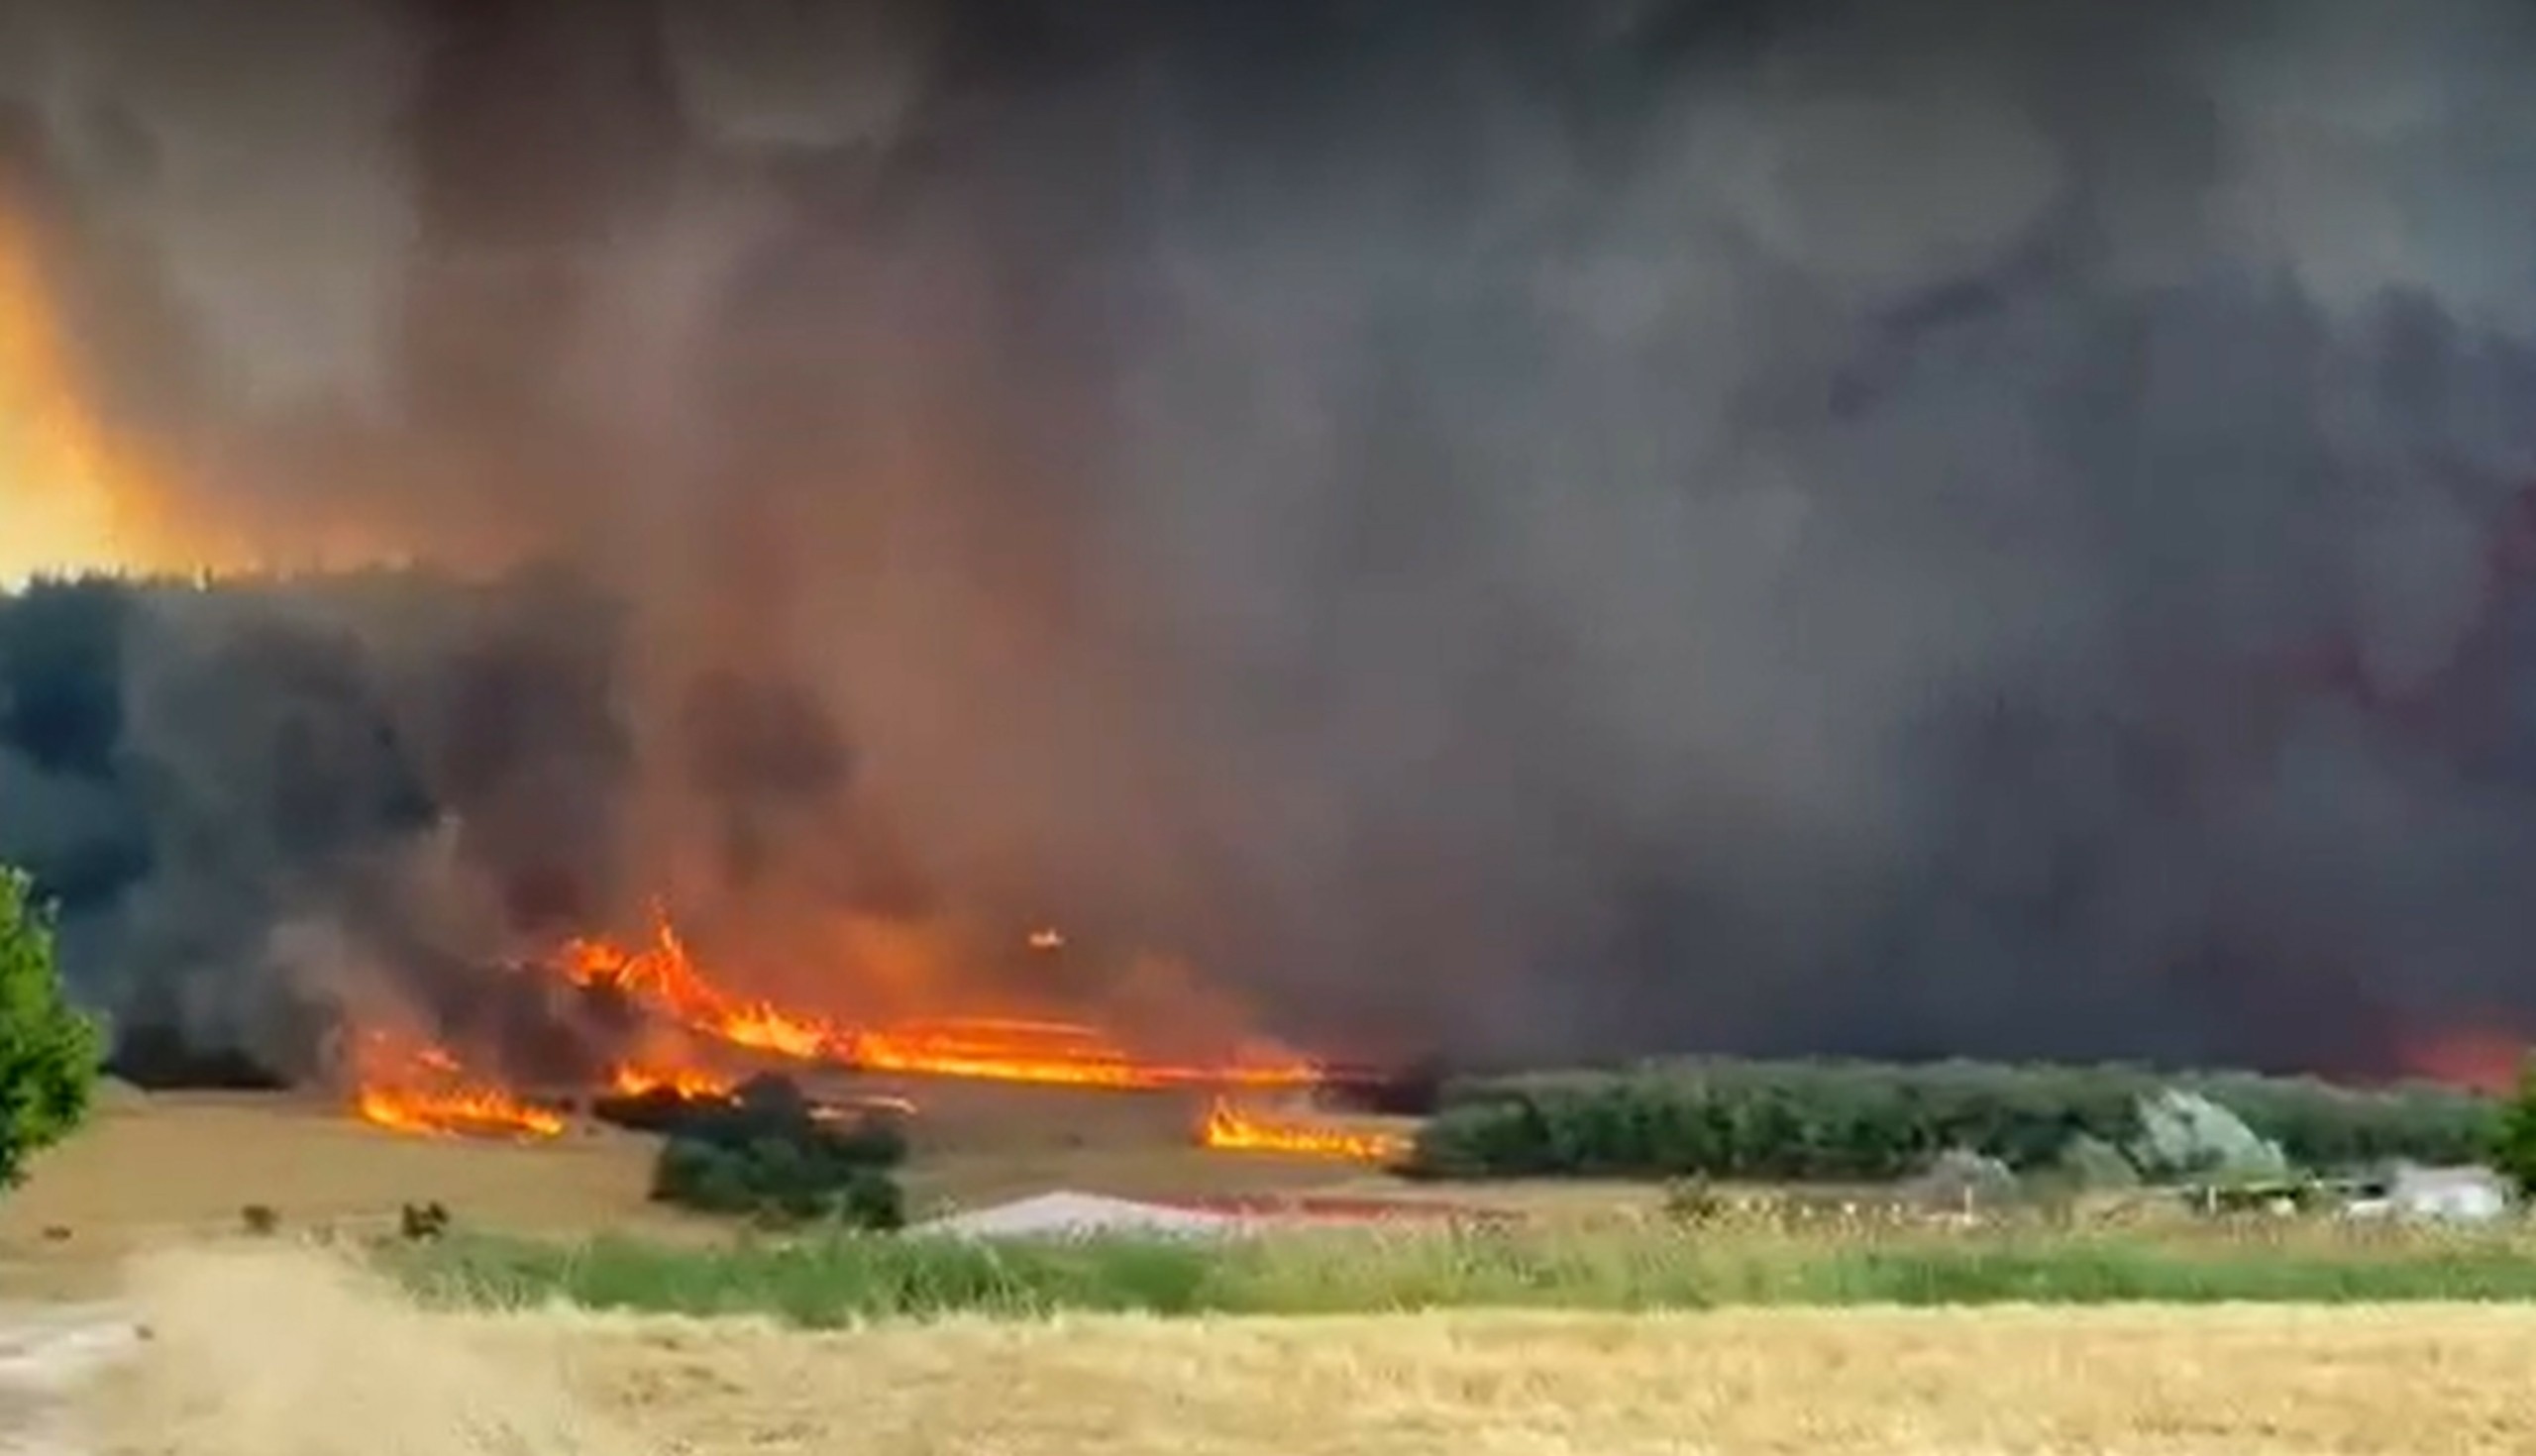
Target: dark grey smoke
(1530, 529)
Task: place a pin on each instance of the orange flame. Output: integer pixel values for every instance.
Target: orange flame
(423, 1089)
(633, 1080)
(481, 1113)
(663, 978)
(1231, 1129)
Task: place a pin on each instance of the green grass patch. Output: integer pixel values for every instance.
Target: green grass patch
(841, 1278)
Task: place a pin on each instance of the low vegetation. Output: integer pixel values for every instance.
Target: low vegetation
(1865, 1122)
(1728, 1261)
(2514, 1149)
(765, 1153)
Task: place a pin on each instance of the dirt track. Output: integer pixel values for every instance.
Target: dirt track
(47, 1352)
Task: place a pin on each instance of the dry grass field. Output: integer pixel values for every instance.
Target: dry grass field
(280, 1353)
(264, 1349)
(150, 1169)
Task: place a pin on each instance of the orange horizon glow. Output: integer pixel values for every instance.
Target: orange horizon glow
(74, 498)
(79, 497)
(2483, 1060)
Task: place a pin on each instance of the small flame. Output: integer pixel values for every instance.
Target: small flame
(1047, 939)
(422, 1088)
(483, 1113)
(632, 1080)
(1231, 1129)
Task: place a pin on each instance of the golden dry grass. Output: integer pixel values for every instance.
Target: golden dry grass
(187, 1162)
(279, 1353)
(148, 1169)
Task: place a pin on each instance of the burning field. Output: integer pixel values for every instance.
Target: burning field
(1672, 531)
(691, 1040)
(1063, 579)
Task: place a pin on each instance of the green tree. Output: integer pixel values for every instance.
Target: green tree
(49, 1053)
(2514, 1138)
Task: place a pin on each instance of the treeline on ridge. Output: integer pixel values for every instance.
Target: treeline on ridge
(1835, 1121)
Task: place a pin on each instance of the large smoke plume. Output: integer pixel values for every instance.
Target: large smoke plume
(1531, 529)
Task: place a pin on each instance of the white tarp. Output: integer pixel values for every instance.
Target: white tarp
(1065, 1214)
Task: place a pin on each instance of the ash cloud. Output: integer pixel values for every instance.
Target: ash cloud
(1530, 530)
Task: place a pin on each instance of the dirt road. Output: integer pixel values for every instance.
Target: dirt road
(45, 1352)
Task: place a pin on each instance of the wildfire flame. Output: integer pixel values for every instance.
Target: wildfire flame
(72, 496)
(663, 978)
(1229, 1128)
(422, 1088)
(632, 1080)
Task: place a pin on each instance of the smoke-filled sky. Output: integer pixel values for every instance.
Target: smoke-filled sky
(1533, 529)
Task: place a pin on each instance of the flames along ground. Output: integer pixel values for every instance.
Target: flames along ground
(418, 1087)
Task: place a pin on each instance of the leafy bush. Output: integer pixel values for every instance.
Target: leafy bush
(2186, 1135)
(1857, 1122)
(51, 1055)
(2513, 1146)
(764, 1153)
(2092, 1165)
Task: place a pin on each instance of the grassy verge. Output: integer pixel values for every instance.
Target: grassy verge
(827, 1282)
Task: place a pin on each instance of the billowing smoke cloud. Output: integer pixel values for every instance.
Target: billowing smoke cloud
(1536, 530)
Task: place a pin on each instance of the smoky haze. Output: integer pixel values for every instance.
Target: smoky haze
(1530, 530)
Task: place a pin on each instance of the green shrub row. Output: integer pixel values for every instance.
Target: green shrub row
(764, 1153)
(1851, 1121)
(833, 1281)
